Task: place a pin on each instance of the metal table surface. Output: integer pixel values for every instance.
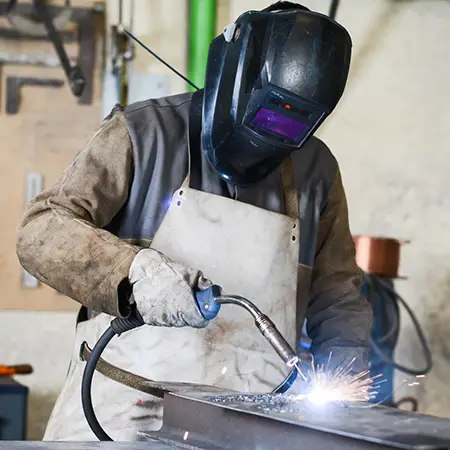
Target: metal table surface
(34, 445)
(228, 421)
(268, 422)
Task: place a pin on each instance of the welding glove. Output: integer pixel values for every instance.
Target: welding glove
(164, 291)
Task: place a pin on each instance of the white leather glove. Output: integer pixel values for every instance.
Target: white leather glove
(164, 291)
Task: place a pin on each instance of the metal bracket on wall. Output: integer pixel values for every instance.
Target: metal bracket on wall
(33, 187)
(83, 17)
(13, 85)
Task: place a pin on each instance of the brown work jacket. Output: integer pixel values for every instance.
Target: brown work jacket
(81, 235)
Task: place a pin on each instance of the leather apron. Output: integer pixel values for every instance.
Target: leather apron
(246, 250)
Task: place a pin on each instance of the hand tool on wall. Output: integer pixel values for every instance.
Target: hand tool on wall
(52, 18)
(73, 73)
(13, 85)
(18, 369)
(29, 26)
(209, 303)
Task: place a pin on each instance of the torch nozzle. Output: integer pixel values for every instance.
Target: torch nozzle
(265, 326)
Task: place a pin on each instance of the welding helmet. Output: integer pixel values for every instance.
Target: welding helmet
(272, 78)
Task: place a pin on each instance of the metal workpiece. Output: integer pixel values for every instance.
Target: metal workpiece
(265, 326)
(276, 422)
(46, 445)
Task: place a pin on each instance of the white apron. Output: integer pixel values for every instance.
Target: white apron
(246, 250)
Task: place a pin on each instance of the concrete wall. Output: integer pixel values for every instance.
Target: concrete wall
(388, 134)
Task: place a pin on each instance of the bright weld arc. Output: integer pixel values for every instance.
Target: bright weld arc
(186, 434)
(327, 386)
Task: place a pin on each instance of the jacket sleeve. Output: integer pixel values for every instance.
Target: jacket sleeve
(60, 240)
(339, 318)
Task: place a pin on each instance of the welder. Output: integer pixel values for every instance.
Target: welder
(226, 186)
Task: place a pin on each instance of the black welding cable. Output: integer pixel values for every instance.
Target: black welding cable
(378, 285)
(390, 301)
(117, 327)
(86, 385)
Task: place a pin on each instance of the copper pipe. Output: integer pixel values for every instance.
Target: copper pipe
(379, 256)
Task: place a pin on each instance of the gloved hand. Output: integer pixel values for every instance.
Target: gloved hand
(164, 291)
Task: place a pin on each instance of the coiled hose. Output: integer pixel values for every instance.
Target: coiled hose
(391, 299)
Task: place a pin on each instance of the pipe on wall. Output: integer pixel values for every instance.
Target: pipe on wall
(202, 30)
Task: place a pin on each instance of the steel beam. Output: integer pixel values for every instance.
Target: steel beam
(226, 422)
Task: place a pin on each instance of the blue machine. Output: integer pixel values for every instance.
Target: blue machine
(13, 410)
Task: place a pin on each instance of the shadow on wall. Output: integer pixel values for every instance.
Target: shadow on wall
(39, 409)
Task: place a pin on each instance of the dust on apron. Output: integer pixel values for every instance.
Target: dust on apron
(246, 250)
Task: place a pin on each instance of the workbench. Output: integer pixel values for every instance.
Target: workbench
(214, 420)
(29, 445)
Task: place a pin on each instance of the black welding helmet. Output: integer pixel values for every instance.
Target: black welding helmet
(272, 77)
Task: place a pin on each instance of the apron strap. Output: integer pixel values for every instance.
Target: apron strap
(194, 136)
(289, 188)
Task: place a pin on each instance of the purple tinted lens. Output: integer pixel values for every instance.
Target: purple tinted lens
(278, 123)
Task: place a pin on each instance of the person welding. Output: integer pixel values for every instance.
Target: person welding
(228, 186)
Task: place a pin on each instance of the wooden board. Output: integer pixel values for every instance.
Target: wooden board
(44, 136)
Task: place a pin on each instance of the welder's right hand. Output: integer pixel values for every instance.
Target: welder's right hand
(164, 291)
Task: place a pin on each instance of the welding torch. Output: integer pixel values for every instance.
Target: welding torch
(209, 302)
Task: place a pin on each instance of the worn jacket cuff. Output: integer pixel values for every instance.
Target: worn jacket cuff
(112, 294)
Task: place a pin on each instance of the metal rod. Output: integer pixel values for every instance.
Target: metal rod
(161, 60)
(333, 9)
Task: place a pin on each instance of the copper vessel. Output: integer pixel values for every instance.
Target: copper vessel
(378, 255)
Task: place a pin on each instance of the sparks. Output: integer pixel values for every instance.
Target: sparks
(186, 434)
(339, 385)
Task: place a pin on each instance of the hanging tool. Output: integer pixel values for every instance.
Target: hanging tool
(73, 73)
(80, 73)
(31, 27)
(18, 369)
(209, 303)
(13, 85)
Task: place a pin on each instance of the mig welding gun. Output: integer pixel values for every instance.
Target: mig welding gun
(209, 303)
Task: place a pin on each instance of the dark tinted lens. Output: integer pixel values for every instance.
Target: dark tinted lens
(269, 120)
